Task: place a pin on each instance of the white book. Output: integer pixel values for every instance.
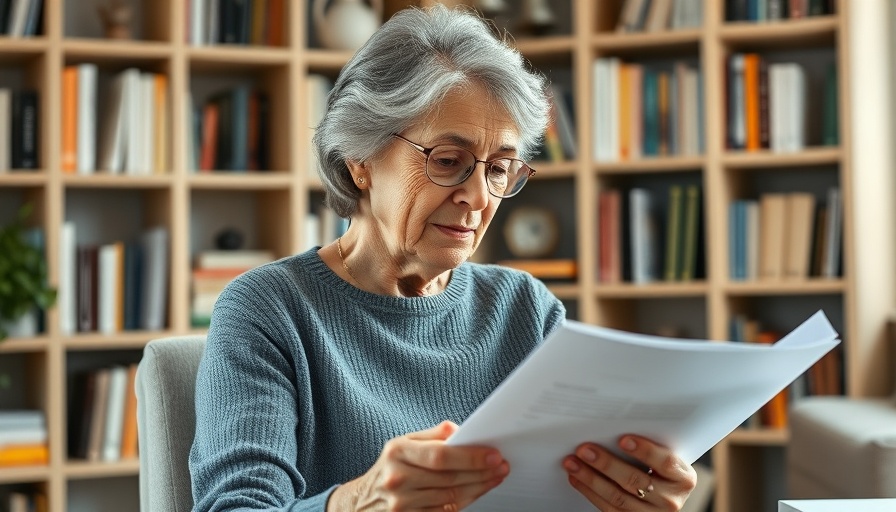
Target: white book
(113, 140)
(243, 258)
(613, 112)
(118, 383)
(198, 11)
(9, 437)
(18, 16)
(87, 84)
(798, 101)
(5, 135)
(16, 419)
(109, 286)
(641, 236)
(154, 299)
(68, 313)
(132, 115)
(148, 124)
(738, 122)
(776, 105)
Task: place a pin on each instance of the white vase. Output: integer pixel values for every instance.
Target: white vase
(346, 24)
(24, 327)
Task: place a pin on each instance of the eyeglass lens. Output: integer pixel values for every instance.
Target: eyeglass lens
(450, 165)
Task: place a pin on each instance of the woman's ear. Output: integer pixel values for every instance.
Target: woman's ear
(359, 173)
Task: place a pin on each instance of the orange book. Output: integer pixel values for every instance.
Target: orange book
(160, 130)
(663, 84)
(24, 455)
(276, 19)
(209, 137)
(751, 100)
(129, 427)
(625, 112)
(773, 413)
(545, 269)
(70, 119)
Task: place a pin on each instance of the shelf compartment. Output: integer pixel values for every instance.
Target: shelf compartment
(672, 42)
(326, 60)
(810, 286)
(807, 32)
(548, 46)
(652, 165)
(103, 180)
(759, 437)
(21, 345)
(119, 340)
(213, 58)
(545, 170)
(658, 289)
(100, 50)
(565, 291)
(24, 474)
(75, 469)
(224, 180)
(149, 20)
(818, 155)
(17, 50)
(674, 316)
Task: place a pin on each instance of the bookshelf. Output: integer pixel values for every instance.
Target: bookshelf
(269, 206)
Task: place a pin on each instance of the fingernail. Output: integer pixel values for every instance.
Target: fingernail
(628, 444)
(571, 465)
(493, 459)
(503, 469)
(588, 454)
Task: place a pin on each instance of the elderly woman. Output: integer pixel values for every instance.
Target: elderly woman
(331, 379)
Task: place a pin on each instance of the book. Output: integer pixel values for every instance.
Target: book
(589, 383)
(24, 455)
(99, 405)
(25, 128)
(544, 268)
(129, 447)
(70, 119)
(114, 417)
(86, 117)
(154, 279)
(231, 259)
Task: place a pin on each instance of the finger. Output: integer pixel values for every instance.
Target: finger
(630, 478)
(437, 479)
(664, 463)
(437, 456)
(597, 488)
(441, 431)
(449, 498)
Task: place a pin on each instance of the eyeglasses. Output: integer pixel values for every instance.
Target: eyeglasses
(449, 166)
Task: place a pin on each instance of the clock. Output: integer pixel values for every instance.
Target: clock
(532, 232)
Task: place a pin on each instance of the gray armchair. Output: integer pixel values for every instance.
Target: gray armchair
(166, 421)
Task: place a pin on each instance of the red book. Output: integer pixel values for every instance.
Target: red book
(209, 137)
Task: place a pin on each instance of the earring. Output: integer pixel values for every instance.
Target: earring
(361, 180)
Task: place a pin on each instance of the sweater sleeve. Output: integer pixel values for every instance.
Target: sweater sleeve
(245, 446)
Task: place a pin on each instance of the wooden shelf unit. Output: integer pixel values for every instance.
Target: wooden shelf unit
(279, 199)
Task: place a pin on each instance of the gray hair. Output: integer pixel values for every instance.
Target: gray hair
(403, 71)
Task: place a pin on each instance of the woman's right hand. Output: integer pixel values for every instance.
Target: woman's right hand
(418, 471)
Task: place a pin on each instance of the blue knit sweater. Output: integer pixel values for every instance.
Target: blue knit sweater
(305, 377)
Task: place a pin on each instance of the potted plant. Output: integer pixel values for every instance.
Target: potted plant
(23, 274)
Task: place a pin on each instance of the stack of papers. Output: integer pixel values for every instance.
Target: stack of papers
(588, 383)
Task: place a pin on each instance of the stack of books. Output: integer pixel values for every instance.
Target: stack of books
(23, 438)
(103, 414)
(212, 271)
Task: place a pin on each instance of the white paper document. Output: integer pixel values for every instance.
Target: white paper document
(587, 383)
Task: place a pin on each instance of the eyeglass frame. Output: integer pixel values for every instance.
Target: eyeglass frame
(428, 151)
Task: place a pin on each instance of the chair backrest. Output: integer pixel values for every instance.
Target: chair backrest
(166, 421)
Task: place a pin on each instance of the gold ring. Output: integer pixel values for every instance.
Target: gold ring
(449, 507)
(641, 493)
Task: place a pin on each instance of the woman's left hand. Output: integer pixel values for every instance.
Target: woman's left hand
(613, 484)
